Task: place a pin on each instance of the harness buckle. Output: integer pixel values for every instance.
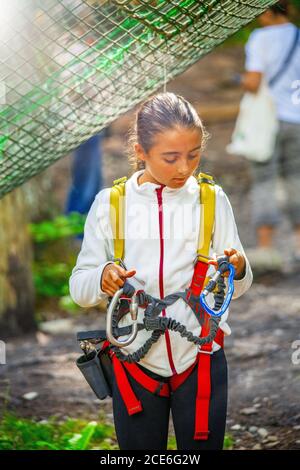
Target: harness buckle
(202, 258)
(120, 180)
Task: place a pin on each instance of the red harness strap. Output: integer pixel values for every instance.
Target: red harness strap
(133, 405)
(178, 379)
(204, 360)
(204, 388)
(200, 271)
(163, 389)
(160, 388)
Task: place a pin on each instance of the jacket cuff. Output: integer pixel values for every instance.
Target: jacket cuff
(243, 284)
(101, 293)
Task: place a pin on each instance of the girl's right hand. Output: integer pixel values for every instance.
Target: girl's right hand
(113, 278)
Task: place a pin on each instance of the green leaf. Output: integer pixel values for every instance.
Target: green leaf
(47, 445)
(81, 441)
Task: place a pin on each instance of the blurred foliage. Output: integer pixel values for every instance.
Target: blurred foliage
(296, 4)
(60, 227)
(55, 240)
(228, 442)
(66, 303)
(51, 280)
(72, 434)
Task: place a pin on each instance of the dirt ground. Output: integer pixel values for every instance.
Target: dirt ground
(263, 409)
(264, 376)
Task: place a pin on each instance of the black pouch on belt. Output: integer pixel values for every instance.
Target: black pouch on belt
(96, 367)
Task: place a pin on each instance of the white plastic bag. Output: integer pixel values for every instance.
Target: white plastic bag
(256, 127)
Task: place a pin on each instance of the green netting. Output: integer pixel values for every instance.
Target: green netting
(70, 67)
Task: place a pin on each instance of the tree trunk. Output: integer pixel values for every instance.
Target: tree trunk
(16, 283)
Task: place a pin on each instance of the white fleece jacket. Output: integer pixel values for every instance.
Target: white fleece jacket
(161, 238)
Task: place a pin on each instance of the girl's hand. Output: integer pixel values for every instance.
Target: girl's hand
(238, 262)
(237, 259)
(113, 278)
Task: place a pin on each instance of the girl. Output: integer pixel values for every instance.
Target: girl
(162, 223)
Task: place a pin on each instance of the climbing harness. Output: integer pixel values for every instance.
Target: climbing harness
(102, 345)
(154, 306)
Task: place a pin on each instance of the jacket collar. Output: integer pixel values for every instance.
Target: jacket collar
(148, 189)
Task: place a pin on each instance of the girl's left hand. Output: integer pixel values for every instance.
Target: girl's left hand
(237, 259)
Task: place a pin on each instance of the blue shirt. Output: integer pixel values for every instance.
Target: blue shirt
(266, 51)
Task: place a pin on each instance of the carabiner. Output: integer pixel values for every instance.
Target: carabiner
(223, 267)
(133, 313)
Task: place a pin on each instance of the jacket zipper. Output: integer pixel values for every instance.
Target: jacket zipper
(161, 274)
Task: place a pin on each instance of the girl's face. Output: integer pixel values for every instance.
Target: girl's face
(173, 157)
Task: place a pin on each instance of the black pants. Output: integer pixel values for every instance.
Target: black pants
(148, 430)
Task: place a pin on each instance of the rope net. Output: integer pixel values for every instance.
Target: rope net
(71, 67)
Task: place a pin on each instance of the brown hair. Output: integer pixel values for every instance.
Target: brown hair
(280, 8)
(158, 113)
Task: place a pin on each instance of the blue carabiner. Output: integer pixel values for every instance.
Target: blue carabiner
(221, 311)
